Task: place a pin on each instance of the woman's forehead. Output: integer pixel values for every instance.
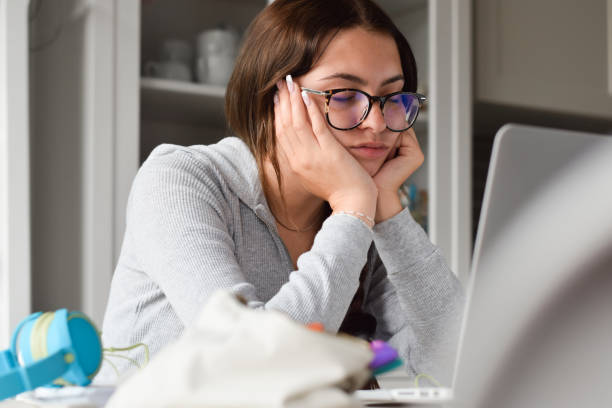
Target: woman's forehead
(370, 55)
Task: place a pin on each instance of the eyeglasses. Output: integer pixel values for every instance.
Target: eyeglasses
(346, 108)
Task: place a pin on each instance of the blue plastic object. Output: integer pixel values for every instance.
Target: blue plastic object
(50, 349)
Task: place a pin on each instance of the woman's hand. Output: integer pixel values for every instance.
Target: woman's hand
(394, 172)
(324, 167)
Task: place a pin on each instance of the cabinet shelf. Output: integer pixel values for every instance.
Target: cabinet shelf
(182, 102)
(194, 104)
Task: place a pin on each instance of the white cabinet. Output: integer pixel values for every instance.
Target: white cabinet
(552, 55)
(97, 118)
(189, 113)
(15, 219)
(179, 112)
(94, 118)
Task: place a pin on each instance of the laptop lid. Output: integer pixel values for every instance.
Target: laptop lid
(544, 238)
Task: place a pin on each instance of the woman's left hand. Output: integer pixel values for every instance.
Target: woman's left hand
(396, 169)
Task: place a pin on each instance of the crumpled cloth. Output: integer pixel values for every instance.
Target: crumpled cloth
(234, 356)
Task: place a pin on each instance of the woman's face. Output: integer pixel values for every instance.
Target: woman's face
(369, 61)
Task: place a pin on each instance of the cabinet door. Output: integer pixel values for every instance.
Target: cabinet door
(545, 54)
(15, 218)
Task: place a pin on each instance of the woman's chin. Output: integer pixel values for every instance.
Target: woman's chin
(371, 167)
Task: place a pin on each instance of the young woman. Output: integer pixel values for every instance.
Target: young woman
(301, 212)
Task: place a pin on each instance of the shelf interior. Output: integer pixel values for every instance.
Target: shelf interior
(182, 102)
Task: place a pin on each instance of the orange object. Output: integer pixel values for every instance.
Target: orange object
(316, 326)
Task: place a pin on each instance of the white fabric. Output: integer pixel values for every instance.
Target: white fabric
(92, 396)
(234, 356)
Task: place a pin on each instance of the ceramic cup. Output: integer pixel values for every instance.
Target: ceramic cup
(177, 50)
(217, 49)
(175, 70)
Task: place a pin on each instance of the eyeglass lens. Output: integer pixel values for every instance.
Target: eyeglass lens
(348, 108)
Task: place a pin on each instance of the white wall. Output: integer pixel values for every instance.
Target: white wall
(14, 168)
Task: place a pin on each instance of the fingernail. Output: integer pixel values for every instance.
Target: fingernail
(279, 84)
(306, 98)
(276, 98)
(289, 83)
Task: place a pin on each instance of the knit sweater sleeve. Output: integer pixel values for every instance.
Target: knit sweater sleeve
(181, 224)
(417, 299)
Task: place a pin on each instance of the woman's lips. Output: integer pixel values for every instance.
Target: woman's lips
(371, 151)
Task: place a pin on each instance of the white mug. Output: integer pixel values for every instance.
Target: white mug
(177, 50)
(215, 69)
(176, 70)
(217, 49)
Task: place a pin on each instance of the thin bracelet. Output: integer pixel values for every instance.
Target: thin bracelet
(370, 221)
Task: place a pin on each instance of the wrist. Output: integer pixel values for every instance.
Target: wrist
(358, 203)
(366, 219)
(388, 205)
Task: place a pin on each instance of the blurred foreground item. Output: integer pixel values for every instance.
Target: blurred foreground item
(233, 356)
(538, 331)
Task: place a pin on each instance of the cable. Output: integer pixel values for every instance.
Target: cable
(131, 360)
(429, 377)
(112, 365)
(146, 350)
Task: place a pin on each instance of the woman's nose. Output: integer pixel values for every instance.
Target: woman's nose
(375, 119)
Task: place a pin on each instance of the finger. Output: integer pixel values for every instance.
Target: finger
(283, 153)
(392, 154)
(398, 142)
(395, 150)
(282, 141)
(284, 106)
(318, 123)
(410, 146)
(282, 133)
(301, 123)
(408, 141)
(409, 137)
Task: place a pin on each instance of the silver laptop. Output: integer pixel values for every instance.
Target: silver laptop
(539, 295)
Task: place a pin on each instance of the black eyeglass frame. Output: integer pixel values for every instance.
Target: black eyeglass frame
(371, 99)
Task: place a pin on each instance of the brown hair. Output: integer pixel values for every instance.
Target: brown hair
(288, 37)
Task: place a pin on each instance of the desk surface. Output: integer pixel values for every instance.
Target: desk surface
(18, 404)
(98, 395)
(14, 404)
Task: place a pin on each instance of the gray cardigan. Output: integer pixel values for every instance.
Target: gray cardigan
(197, 221)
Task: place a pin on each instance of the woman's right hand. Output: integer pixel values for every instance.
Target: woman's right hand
(324, 166)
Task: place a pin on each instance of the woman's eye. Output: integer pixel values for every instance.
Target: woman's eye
(344, 98)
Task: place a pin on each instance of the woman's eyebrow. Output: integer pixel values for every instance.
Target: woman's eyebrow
(399, 77)
(348, 77)
(361, 81)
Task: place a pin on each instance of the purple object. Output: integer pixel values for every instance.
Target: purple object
(383, 354)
